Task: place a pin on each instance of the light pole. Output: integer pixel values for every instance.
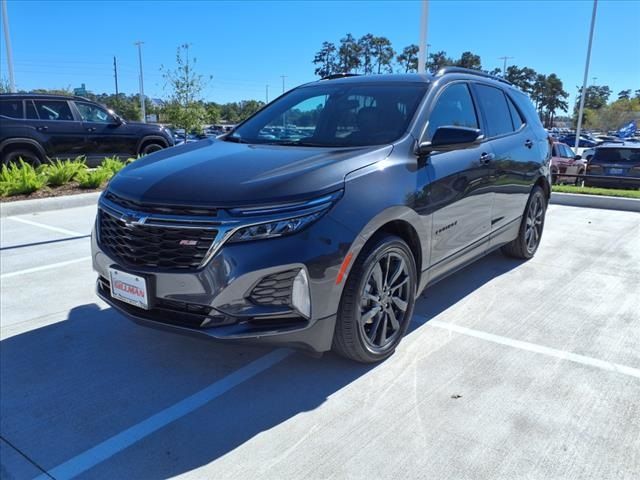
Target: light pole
(267, 93)
(504, 65)
(7, 41)
(586, 74)
(144, 114)
(423, 45)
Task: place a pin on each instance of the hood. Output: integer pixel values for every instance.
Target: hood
(215, 173)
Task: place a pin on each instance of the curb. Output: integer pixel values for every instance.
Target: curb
(595, 201)
(21, 207)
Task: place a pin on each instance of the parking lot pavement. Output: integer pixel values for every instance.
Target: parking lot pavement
(510, 370)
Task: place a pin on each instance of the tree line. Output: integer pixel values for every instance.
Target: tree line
(371, 54)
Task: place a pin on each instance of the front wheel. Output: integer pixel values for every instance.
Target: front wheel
(150, 148)
(530, 233)
(377, 301)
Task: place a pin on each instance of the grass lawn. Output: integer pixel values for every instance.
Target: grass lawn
(609, 192)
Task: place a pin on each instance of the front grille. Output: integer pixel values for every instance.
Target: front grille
(164, 210)
(274, 289)
(152, 246)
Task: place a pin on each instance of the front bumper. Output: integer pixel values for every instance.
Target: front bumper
(216, 301)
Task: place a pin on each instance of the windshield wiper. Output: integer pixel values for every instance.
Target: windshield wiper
(234, 139)
(298, 143)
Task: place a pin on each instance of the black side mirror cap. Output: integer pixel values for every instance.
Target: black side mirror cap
(451, 138)
(578, 157)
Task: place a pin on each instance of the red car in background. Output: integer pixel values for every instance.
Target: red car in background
(565, 162)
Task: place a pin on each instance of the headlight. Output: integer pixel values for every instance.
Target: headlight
(275, 229)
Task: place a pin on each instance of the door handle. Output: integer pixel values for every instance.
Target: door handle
(528, 143)
(42, 128)
(485, 158)
(91, 129)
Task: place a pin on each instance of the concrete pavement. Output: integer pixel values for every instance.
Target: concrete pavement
(510, 370)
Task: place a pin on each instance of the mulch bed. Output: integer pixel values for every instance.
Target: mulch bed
(46, 192)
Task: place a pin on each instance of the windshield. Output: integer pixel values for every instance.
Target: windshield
(334, 115)
(616, 155)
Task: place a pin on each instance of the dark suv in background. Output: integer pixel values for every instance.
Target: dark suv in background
(322, 234)
(36, 127)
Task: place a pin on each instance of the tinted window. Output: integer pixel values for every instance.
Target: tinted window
(567, 152)
(31, 110)
(496, 110)
(11, 108)
(516, 118)
(454, 107)
(93, 113)
(331, 114)
(53, 110)
(616, 155)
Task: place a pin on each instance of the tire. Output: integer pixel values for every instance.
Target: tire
(29, 156)
(554, 176)
(150, 148)
(525, 246)
(366, 294)
(579, 179)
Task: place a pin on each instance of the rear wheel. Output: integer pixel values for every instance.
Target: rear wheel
(14, 156)
(530, 233)
(377, 302)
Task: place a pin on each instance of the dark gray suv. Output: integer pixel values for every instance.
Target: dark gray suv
(316, 222)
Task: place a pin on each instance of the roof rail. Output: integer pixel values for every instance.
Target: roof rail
(334, 76)
(469, 71)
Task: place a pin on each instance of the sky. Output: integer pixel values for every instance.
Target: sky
(247, 45)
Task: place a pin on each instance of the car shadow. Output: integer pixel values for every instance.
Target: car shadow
(71, 385)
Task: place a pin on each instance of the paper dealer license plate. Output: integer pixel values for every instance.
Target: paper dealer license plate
(129, 288)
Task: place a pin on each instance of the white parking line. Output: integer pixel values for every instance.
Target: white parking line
(44, 267)
(46, 227)
(101, 452)
(532, 347)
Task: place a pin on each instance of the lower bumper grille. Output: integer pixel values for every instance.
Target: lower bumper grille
(274, 289)
(154, 246)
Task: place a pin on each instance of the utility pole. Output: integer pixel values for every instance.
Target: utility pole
(267, 94)
(423, 45)
(7, 41)
(504, 65)
(586, 74)
(594, 80)
(115, 75)
(283, 77)
(144, 115)
(284, 114)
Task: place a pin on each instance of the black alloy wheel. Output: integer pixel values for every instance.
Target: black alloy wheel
(377, 301)
(531, 227)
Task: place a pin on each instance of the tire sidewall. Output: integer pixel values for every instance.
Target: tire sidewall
(28, 157)
(382, 247)
(537, 191)
(151, 148)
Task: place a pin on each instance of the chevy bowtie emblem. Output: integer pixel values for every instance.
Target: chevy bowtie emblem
(132, 219)
(189, 243)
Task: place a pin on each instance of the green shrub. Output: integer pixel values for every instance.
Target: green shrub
(113, 164)
(61, 172)
(20, 179)
(94, 178)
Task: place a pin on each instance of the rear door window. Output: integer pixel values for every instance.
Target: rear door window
(454, 108)
(496, 110)
(11, 108)
(516, 118)
(54, 110)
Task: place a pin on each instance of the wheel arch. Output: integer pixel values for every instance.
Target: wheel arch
(147, 139)
(28, 143)
(543, 183)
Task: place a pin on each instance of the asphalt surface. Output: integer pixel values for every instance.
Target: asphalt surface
(511, 370)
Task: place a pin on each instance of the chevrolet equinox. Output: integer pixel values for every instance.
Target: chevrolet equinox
(317, 222)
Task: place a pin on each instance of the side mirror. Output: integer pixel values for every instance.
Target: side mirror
(451, 138)
(578, 157)
(117, 121)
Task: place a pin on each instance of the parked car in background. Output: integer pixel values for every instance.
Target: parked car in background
(584, 142)
(621, 161)
(565, 162)
(324, 240)
(38, 127)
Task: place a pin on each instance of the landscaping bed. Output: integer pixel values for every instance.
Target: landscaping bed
(22, 181)
(608, 192)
